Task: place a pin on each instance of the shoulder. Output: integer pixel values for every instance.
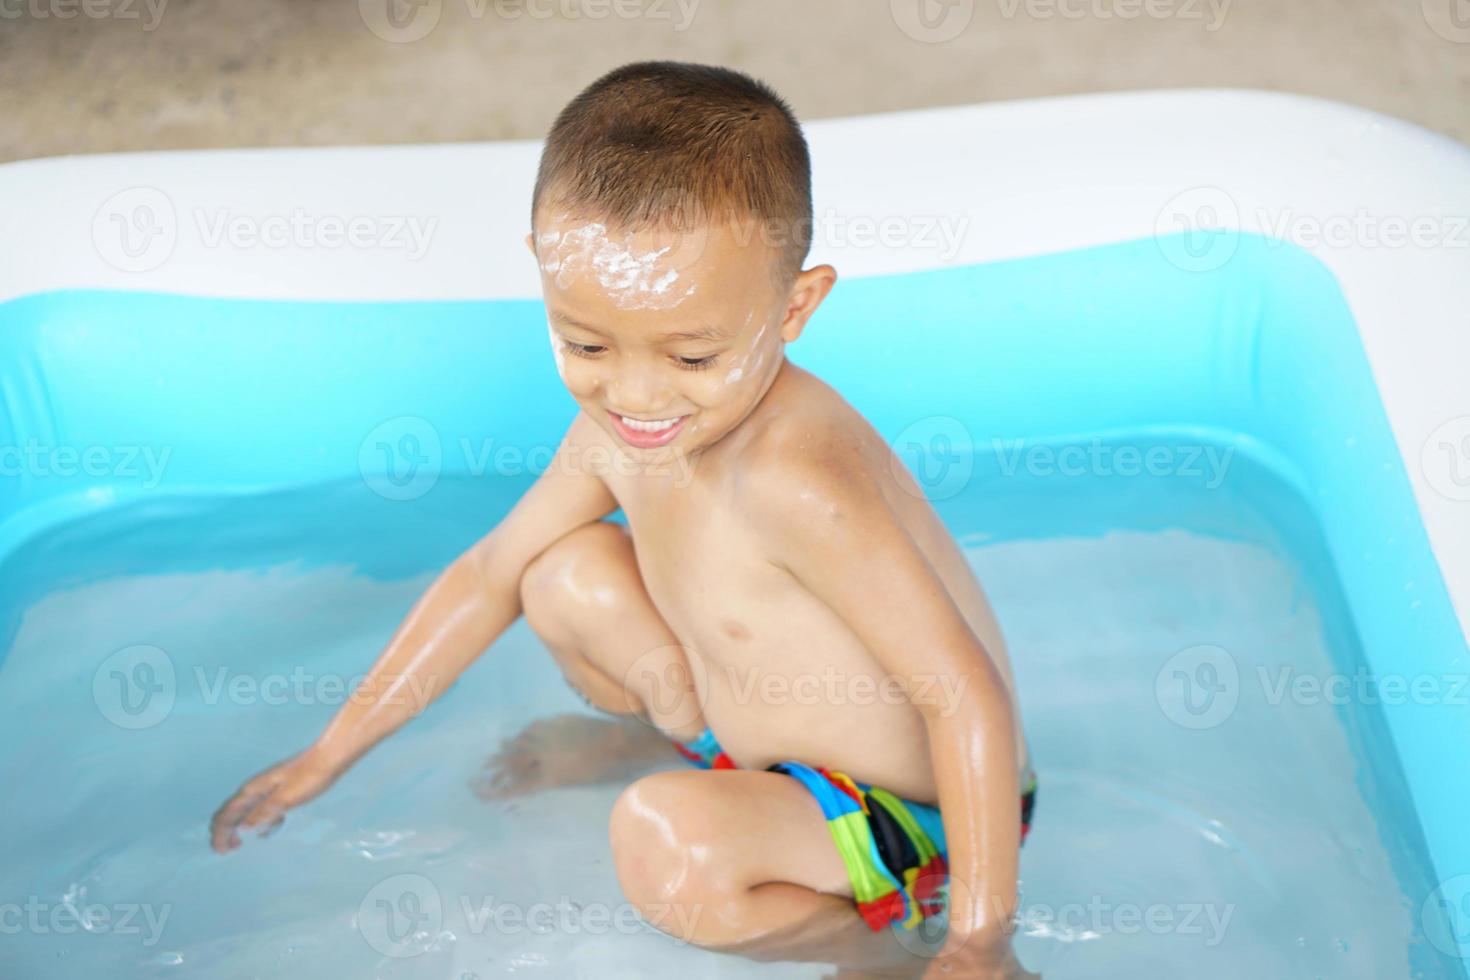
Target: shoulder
(809, 478)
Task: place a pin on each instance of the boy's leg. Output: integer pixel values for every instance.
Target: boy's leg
(585, 599)
(742, 861)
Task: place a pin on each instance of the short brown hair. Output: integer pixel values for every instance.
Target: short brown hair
(682, 145)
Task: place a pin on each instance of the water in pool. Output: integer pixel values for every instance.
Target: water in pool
(1189, 821)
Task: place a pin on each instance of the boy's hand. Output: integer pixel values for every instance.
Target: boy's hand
(266, 797)
(569, 750)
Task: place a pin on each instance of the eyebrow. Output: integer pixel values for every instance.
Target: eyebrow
(700, 331)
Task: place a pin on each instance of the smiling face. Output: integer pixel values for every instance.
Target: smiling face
(668, 341)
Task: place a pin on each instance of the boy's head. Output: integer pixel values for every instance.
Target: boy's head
(671, 217)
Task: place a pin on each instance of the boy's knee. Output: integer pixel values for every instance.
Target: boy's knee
(656, 849)
(579, 570)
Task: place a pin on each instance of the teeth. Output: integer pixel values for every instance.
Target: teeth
(638, 425)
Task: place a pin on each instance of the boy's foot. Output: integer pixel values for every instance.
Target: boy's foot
(570, 750)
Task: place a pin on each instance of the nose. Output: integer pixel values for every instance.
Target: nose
(638, 390)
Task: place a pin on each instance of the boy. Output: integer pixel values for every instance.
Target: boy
(771, 536)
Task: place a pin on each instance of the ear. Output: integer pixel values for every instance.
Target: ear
(531, 241)
(807, 292)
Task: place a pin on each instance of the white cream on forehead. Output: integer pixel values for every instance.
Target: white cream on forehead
(634, 280)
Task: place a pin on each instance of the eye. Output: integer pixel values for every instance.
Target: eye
(583, 350)
(696, 363)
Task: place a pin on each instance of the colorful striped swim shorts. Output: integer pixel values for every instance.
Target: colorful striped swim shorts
(894, 849)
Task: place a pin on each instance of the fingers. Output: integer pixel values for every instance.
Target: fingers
(244, 808)
(267, 812)
(270, 828)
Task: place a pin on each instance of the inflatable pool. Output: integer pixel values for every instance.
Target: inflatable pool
(1185, 371)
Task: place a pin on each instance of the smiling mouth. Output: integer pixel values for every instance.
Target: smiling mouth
(647, 433)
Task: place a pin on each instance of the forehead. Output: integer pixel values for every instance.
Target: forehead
(598, 273)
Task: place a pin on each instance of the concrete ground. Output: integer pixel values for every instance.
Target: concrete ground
(85, 76)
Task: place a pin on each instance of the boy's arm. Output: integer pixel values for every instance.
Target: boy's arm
(471, 603)
(460, 615)
(826, 521)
